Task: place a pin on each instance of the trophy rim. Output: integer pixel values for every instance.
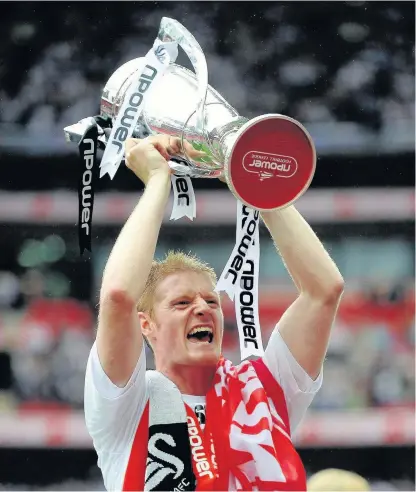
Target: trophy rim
(240, 134)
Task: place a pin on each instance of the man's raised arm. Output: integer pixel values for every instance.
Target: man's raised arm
(305, 326)
(119, 338)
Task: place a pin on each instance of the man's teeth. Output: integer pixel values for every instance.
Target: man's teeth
(201, 334)
(199, 329)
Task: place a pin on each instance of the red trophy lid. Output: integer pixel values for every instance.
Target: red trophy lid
(272, 162)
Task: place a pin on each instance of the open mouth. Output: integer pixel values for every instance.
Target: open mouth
(201, 335)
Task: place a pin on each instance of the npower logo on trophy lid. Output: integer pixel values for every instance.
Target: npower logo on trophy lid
(269, 165)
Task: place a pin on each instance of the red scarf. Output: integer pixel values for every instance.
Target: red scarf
(247, 435)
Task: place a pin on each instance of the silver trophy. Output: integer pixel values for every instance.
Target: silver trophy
(184, 105)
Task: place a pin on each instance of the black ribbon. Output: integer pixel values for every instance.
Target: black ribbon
(86, 185)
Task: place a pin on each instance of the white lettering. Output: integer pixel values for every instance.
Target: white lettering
(91, 142)
(195, 440)
(85, 214)
(87, 227)
(86, 179)
(89, 161)
(271, 165)
(180, 487)
(211, 475)
(202, 466)
(86, 196)
(198, 453)
(193, 431)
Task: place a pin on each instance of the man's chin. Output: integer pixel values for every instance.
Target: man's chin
(204, 356)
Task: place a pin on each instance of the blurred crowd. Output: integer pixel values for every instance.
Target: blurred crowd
(351, 62)
(46, 336)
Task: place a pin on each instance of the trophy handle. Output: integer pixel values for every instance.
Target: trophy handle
(172, 30)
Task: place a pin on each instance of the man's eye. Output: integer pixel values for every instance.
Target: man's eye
(183, 303)
(212, 301)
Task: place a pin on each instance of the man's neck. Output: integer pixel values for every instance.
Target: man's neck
(190, 380)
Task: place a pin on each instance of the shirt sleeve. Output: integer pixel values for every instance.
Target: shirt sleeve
(298, 387)
(112, 414)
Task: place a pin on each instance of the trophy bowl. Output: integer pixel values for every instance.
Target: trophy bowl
(268, 162)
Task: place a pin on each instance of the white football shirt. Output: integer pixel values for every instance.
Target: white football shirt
(113, 414)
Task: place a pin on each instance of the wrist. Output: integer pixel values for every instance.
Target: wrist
(277, 213)
(158, 178)
(159, 182)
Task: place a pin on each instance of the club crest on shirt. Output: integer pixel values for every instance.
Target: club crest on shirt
(168, 466)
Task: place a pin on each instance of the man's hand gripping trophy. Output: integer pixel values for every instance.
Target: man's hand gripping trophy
(149, 157)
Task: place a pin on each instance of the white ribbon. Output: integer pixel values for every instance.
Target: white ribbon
(247, 297)
(240, 278)
(184, 204)
(154, 66)
(247, 223)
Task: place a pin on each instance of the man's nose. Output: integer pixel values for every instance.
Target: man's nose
(201, 307)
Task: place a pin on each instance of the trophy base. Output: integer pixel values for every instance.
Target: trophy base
(271, 163)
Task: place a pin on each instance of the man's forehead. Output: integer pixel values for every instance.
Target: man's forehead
(184, 282)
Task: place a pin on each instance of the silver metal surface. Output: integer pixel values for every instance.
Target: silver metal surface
(182, 104)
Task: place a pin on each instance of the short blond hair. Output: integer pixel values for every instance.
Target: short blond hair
(174, 262)
(334, 479)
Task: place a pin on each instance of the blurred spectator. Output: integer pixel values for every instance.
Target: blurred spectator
(9, 288)
(333, 479)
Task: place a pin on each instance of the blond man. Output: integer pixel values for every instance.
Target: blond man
(197, 422)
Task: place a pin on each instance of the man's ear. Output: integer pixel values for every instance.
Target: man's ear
(146, 324)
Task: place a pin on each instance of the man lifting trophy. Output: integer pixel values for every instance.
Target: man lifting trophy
(198, 422)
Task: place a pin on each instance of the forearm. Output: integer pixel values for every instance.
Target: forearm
(131, 258)
(305, 258)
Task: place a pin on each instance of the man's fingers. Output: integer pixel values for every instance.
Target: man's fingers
(187, 147)
(162, 150)
(174, 146)
(130, 143)
(167, 145)
(191, 151)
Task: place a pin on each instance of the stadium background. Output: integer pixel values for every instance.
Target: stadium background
(343, 69)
